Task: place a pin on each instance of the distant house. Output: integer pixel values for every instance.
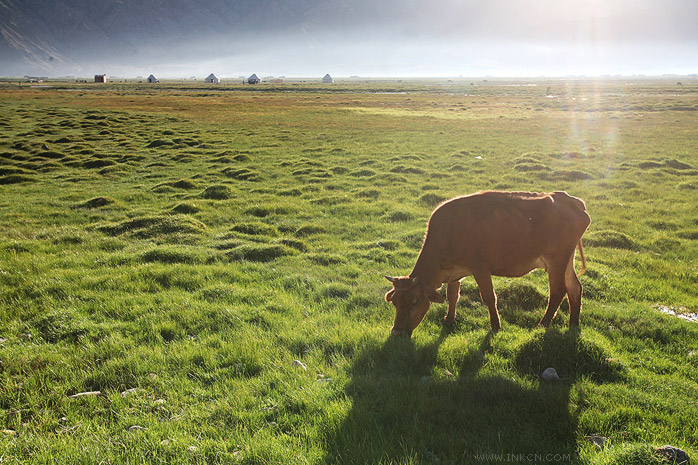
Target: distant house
(212, 79)
(152, 79)
(100, 78)
(253, 79)
(327, 79)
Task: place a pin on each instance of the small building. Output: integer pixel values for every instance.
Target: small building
(212, 79)
(100, 78)
(327, 79)
(253, 79)
(153, 80)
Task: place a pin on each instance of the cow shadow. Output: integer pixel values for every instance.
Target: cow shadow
(403, 413)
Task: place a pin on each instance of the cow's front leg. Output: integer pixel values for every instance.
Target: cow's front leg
(452, 294)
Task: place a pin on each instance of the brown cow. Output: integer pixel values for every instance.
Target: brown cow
(494, 233)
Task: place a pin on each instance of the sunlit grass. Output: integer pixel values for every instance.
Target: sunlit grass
(177, 250)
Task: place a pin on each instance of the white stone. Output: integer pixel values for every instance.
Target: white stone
(550, 374)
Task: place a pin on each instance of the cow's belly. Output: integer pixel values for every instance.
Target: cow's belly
(456, 273)
(519, 269)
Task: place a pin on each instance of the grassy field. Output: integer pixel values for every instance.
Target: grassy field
(211, 260)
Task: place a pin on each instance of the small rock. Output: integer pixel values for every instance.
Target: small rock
(9, 432)
(135, 428)
(165, 442)
(298, 363)
(44, 147)
(160, 402)
(550, 374)
(128, 391)
(193, 449)
(3, 340)
(673, 455)
(597, 440)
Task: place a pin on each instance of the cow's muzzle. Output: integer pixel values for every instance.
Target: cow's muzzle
(400, 333)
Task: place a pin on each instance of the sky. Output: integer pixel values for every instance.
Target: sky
(486, 37)
(376, 38)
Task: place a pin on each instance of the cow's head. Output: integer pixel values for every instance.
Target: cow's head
(411, 299)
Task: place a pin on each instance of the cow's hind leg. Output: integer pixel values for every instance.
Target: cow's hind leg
(556, 278)
(484, 282)
(574, 293)
(452, 294)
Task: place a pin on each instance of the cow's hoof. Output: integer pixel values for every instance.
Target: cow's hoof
(449, 322)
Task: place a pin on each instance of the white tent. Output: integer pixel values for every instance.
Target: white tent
(327, 79)
(153, 79)
(212, 79)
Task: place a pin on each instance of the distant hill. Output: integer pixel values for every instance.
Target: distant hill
(47, 37)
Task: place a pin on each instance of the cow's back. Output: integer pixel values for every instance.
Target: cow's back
(505, 232)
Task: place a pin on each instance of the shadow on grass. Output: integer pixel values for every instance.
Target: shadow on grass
(400, 414)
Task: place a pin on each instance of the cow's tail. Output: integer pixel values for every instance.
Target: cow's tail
(581, 256)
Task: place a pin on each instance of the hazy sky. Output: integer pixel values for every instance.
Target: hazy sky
(183, 38)
(484, 37)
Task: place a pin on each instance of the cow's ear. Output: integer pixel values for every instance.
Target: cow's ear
(389, 295)
(434, 296)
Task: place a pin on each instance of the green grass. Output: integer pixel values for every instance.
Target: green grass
(178, 250)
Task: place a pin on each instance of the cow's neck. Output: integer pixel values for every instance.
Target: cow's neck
(428, 270)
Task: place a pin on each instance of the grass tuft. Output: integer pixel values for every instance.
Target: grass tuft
(96, 202)
(309, 230)
(217, 192)
(15, 179)
(431, 199)
(179, 184)
(98, 163)
(160, 143)
(610, 239)
(171, 255)
(151, 226)
(186, 208)
(326, 259)
(259, 252)
(256, 229)
(242, 174)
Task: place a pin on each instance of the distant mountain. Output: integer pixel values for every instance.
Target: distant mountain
(81, 36)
